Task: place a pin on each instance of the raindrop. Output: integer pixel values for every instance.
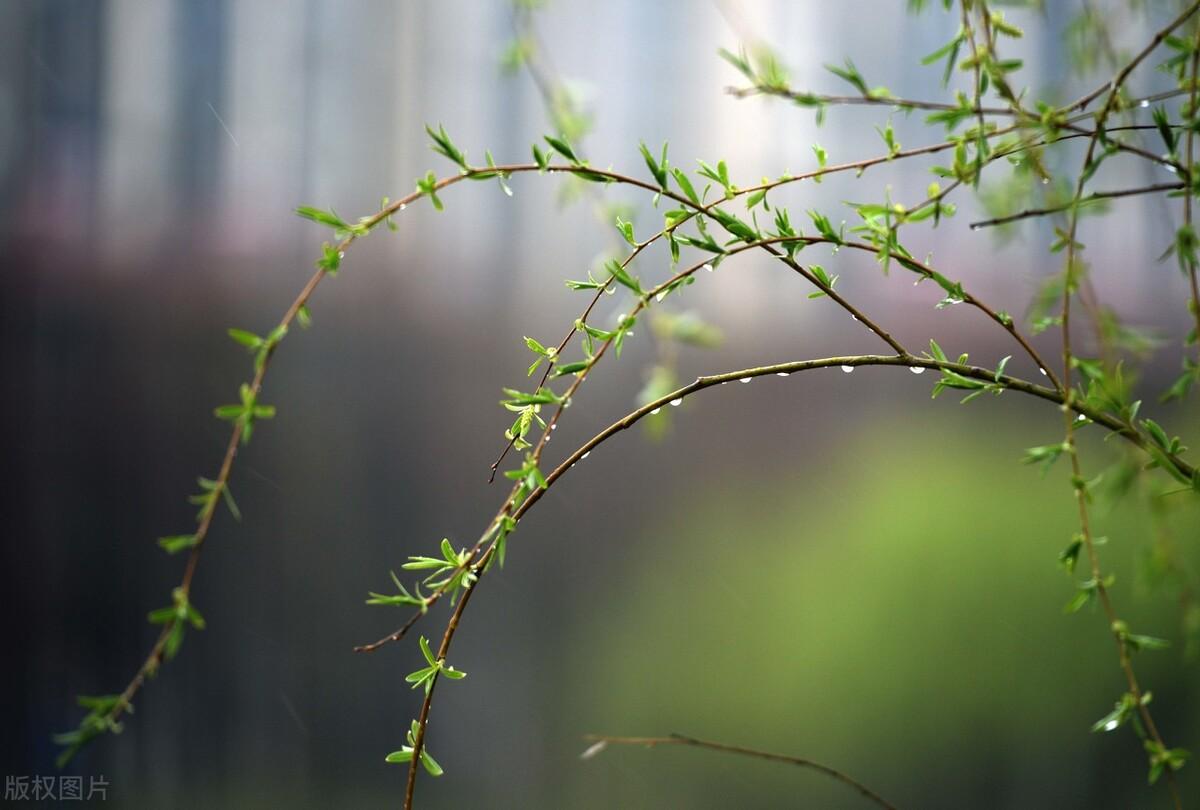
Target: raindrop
(403, 206)
(593, 750)
(853, 317)
(655, 411)
(675, 402)
(708, 267)
(782, 373)
(1081, 418)
(341, 254)
(847, 369)
(554, 426)
(507, 190)
(1169, 167)
(1144, 103)
(660, 296)
(1045, 181)
(1111, 724)
(1044, 374)
(585, 455)
(917, 369)
(744, 380)
(976, 226)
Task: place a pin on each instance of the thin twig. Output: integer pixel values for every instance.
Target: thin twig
(1094, 196)
(680, 739)
(1081, 495)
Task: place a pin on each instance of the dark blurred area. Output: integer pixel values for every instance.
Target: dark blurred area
(828, 565)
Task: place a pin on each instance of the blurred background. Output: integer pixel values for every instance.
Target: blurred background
(827, 565)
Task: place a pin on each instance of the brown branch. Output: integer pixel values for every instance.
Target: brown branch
(1081, 495)
(869, 101)
(680, 739)
(1187, 198)
(1094, 196)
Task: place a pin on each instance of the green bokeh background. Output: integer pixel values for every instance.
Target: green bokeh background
(903, 622)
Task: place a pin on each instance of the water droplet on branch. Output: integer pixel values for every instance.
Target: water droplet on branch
(675, 402)
(917, 369)
(847, 369)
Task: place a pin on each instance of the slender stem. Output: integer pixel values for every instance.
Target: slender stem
(427, 703)
(480, 556)
(480, 566)
(1079, 485)
(1189, 159)
(851, 101)
(1083, 201)
(977, 84)
(581, 376)
(680, 739)
(1127, 430)
(984, 375)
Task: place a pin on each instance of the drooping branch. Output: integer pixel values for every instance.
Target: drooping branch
(1095, 196)
(601, 740)
(1071, 273)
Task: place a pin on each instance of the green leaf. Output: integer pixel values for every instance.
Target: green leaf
(177, 543)
(685, 185)
(444, 146)
(562, 147)
(428, 653)
(321, 217)
(430, 764)
(1046, 455)
(658, 170)
(850, 74)
(248, 339)
(621, 276)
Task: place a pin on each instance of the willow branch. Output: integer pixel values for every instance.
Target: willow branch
(1083, 201)
(1123, 652)
(984, 375)
(1187, 198)
(853, 101)
(679, 739)
(480, 566)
